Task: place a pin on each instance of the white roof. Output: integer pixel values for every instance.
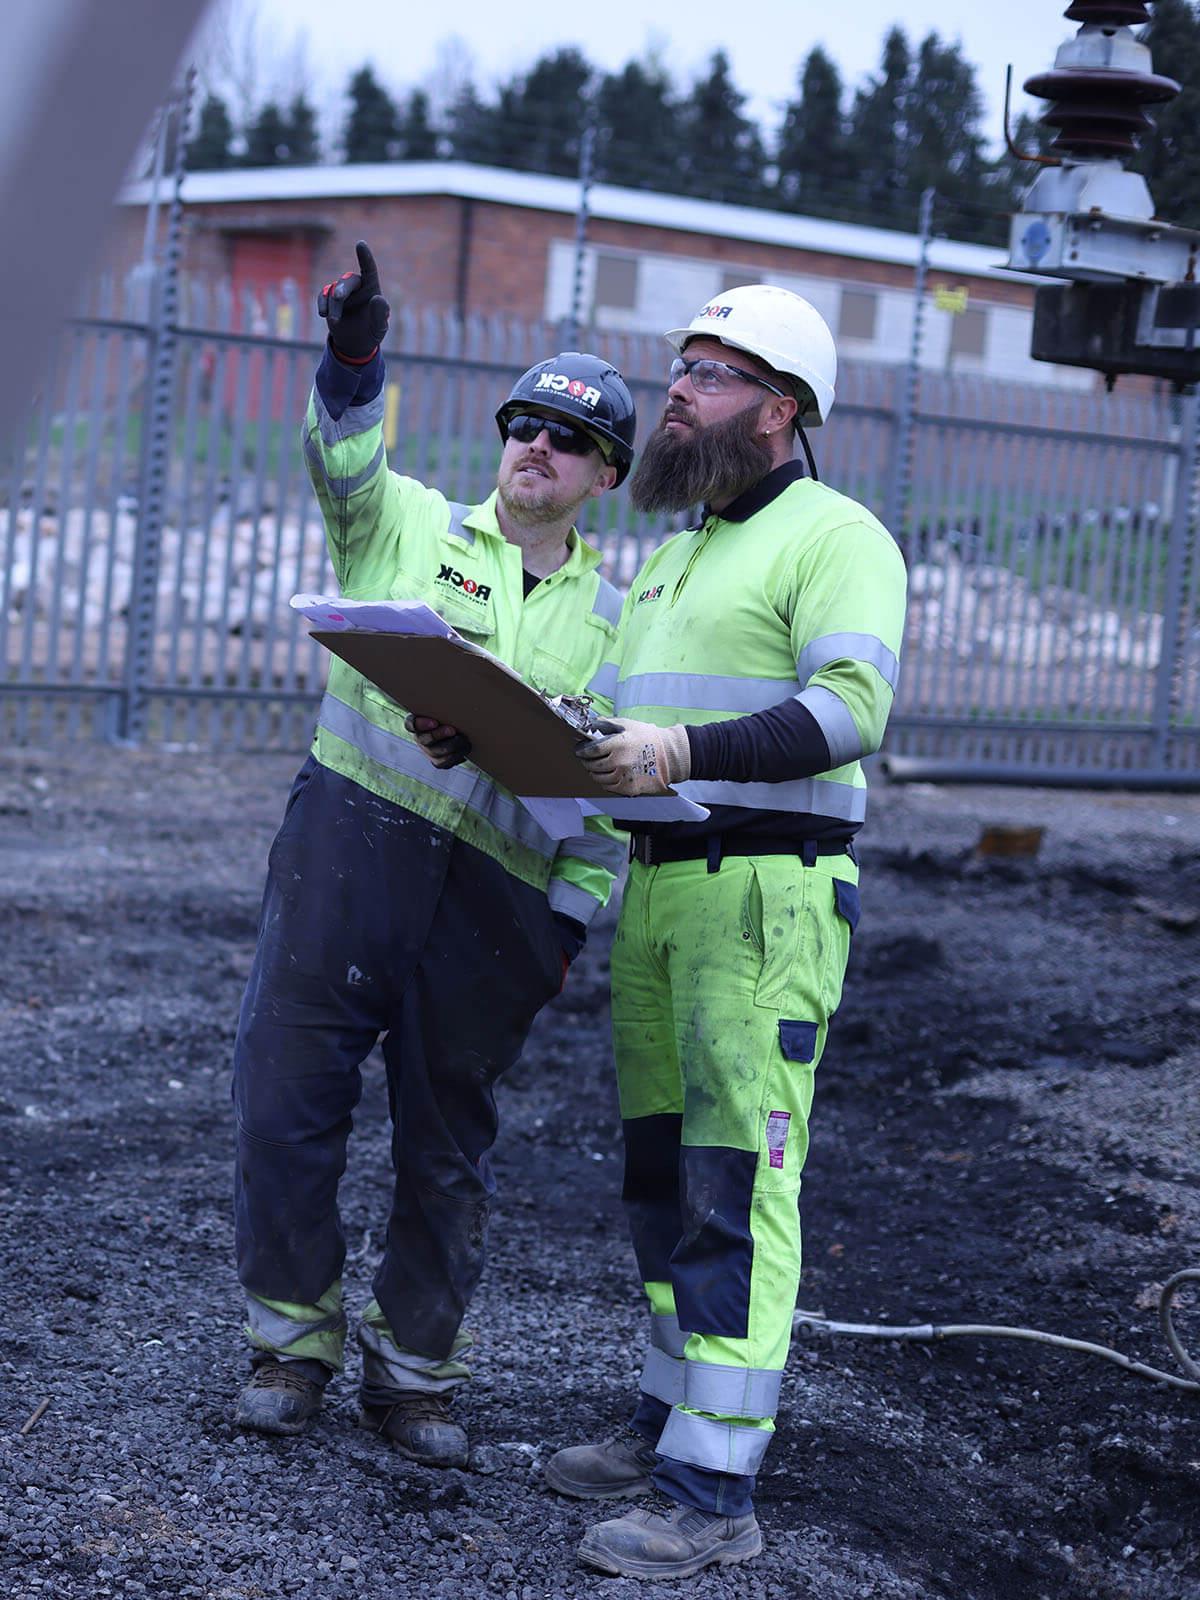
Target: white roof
(542, 193)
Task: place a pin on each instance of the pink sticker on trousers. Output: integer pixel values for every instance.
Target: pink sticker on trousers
(777, 1133)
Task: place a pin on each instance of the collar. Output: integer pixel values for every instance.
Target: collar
(581, 556)
(759, 495)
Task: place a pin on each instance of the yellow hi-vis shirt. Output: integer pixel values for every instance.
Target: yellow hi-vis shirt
(803, 598)
(392, 538)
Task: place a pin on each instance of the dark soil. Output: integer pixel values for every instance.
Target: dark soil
(1005, 1131)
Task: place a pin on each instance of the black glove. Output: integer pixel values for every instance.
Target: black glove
(572, 935)
(355, 310)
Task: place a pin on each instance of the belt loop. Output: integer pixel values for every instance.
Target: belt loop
(714, 852)
(808, 852)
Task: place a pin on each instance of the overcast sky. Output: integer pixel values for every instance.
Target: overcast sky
(766, 44)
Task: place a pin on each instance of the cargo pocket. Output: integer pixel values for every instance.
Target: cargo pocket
(779, 906)
(798, 1040)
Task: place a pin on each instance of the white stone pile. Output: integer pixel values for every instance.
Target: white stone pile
(236, 578)
(976, 612)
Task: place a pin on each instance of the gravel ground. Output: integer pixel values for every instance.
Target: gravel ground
(1005, 1131)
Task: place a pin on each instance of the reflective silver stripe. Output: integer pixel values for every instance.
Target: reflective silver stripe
(731, 1391)
(662, 1377)
(343, 487)
(572, 901)
(849, 647)
(666, 1334)
(605, 681)
(464, 784)
(458, 527)
(698, 691)
(833, 717)
(719, 1446)
(386, 1366)
(599, 848)
(271, 1330)
(355, 419)
(608, 602)
(820, 797)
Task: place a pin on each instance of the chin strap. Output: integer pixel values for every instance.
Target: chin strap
(808, 455)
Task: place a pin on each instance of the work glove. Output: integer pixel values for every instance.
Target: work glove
(636, 758)
(355, 310)
(444, 745)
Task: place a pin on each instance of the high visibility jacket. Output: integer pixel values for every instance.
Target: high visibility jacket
(803, 598)
(391, 537)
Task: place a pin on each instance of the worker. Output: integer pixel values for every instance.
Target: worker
(422, 905)
(758, 661)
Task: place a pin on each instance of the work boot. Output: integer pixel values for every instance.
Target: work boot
(667, 1540)
(420, 1427)
(611, 1471)
(278, 1399)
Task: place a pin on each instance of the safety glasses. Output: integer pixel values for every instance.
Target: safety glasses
(525, 428)
(715, 377)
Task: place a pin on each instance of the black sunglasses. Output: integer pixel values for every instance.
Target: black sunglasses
(525, 427)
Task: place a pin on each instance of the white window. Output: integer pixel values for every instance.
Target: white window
(616, 282)
(859, 314)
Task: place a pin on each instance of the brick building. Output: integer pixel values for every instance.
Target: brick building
(480, 240)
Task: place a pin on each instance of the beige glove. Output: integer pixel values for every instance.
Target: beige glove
(443, 745)
(636, 758)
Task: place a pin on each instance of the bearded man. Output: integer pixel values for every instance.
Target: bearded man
(758, 662)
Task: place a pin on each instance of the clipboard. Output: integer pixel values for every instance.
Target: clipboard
(515, 736)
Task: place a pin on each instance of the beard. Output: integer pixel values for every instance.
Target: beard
(718, 462)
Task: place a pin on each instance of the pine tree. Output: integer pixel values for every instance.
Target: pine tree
(638, 141)
(542, 116)
(473, 129)
(724, 159)
(210, 150)
(814, 174)
(1170, 153)
(944, 146)
(877, 137)
(418, 137)
(267, 138)
(303, 146)
(371, 130)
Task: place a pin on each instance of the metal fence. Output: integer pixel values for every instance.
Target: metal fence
(156, 518)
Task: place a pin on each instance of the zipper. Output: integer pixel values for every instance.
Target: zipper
(709, 527)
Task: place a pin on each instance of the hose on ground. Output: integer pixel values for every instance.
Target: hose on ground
(931, 1332)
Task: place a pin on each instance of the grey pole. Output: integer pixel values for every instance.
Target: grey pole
(1168, 689)
(586, 150)
(900, 486)
(156, 443)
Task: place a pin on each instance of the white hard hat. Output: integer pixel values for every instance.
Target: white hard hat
(780, 328)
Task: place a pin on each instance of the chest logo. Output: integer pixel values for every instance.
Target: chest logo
(649, 594)
(481, 592)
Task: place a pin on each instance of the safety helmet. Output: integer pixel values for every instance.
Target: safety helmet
(582, 389)
(780, 328)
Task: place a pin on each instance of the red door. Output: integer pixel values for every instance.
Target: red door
(262, 264)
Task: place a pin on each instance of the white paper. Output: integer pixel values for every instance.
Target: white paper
(648, 808)
(563, 819)
(375, 616)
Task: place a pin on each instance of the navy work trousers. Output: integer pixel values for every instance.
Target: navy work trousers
(376, 922)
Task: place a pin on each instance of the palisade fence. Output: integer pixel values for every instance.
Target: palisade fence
(156, 518)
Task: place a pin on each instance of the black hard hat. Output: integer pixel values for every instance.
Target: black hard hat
(582, 389)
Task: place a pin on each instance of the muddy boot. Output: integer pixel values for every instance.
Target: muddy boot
(281, 1397)
(611, 1471)
(668, 1540)
(420, 1427)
